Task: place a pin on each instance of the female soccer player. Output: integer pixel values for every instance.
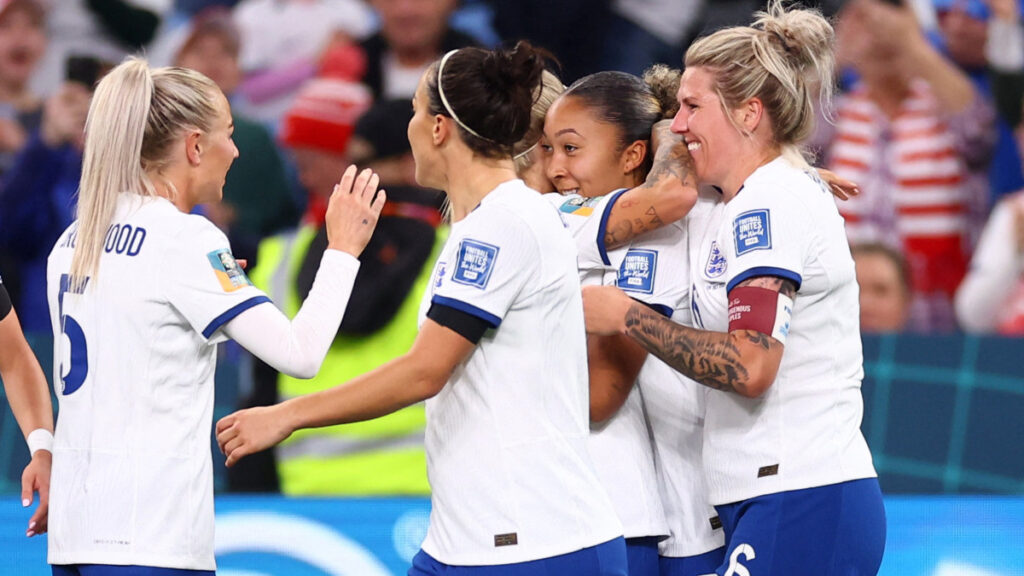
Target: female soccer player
(29, 396)
(597, 142)
(501, 353)
(140, 292)
(774, 288)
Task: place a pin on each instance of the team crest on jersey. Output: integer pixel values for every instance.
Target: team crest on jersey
(442, 267)
(716, 262)
(229, 273)
(636, 274)
(752, 231)
(475, 263)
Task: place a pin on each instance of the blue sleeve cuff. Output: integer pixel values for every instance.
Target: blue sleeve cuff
(764, 271)
(484, 315)
(602, 249)
(230, 314)
(662, 309)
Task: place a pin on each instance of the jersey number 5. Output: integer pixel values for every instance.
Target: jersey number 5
(79, 356)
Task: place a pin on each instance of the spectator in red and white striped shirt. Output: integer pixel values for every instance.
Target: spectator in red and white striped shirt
(917, 137)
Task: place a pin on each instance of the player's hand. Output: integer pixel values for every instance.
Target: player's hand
(36, 478)
(249, 431)
(352, 211)
(841, 187)
(604, 309)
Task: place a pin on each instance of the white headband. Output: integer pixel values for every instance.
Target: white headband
(527, 151)
(447, 106)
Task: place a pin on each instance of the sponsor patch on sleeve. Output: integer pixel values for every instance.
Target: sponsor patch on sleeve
(580, 206)
(636, 274)
(229, 273)
(752, 231)
(475, 263)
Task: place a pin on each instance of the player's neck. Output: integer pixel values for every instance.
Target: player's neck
(468, 185)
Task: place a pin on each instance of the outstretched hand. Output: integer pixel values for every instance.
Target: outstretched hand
(840, 187)
(249, 431)
(353, 210)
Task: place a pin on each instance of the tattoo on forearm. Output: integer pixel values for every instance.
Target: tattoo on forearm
(710, 358)
(671, 161)
(624, 231)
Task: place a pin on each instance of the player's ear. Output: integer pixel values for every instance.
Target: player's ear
(633, 156)
(193, 147)
(442, 128)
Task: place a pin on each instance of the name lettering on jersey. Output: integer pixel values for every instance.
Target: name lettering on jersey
(69, 239)
(636, 274)
(475, 263)
(716, 262)
(122, 239)
(510, 539)
(768, 471)
(752, 231)
(229, 273)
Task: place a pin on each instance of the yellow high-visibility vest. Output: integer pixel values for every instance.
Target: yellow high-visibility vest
(384, 456)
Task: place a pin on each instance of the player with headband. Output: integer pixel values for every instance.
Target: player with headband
(775, 298)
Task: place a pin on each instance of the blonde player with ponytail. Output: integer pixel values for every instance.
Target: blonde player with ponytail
(140, 293)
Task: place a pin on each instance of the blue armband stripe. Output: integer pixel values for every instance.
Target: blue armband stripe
(764, 271)
(484, 315)
(230, 314)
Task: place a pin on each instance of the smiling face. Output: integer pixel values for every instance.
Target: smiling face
(582, 153)
(713, 140)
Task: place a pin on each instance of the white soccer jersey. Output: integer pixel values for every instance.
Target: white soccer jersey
(587, 220)
(507, 460)
(133, 367)
(805, 430)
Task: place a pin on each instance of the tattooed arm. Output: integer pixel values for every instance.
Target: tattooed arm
(742, 361)
(614, 363)
(666, 196)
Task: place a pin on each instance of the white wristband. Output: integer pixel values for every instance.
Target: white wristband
(40, 439)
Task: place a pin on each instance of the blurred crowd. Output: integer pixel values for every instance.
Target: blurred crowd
(928, 123)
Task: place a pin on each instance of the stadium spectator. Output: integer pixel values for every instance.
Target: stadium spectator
(645, 32)
(140, 293)
(258, 199)
(106, 31)
(385, 456)
(22, 44)
(1004, 49)
(884, 288)
(29, 397)
(773, 284)
(917, 136)
(282, 43)
(507, 409)
(412, 35)
(991, 298)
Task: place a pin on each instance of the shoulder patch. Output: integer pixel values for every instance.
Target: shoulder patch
(580, 206)
(716, 262)
(752, 231)
(636, 274)
(474, 263)
(229, 273)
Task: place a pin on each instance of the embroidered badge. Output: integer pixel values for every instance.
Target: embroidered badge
(716, 262)
(441, 269)
(636, 274)
(475, 263)
(752, 231)
(229, 273)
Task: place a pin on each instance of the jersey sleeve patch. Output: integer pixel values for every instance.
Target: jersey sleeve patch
(580, 206)
(475, 263)
(229, 273)
(752, 231)
(636, 274)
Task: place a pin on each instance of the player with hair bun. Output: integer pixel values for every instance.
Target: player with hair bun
(774, 300)
(501, 354)
(140, 293)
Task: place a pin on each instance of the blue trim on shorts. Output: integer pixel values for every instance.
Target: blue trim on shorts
(230, 314)
(112, 570)
(833, 530)
(607, 559)
(698, 565)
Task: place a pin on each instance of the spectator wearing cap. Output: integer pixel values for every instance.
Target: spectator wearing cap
(258, 199)
(325, 129)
